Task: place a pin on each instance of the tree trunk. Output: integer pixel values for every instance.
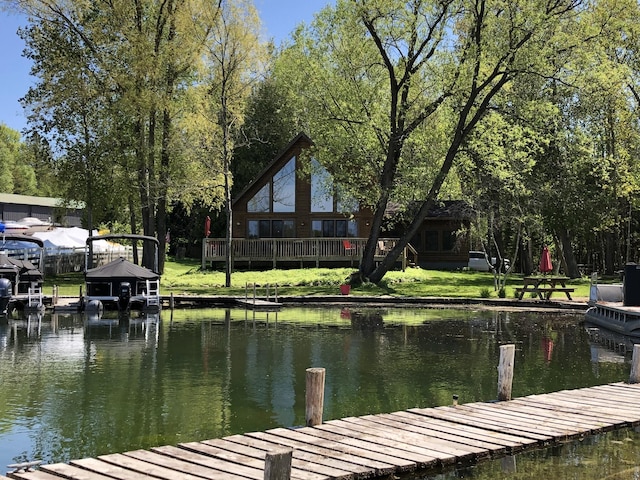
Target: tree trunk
(571, 266)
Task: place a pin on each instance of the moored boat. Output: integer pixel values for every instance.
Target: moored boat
(21, 274)
(120, 284)
(616, 307)
(615, 316)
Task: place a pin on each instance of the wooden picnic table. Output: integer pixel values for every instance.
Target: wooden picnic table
(544, 286)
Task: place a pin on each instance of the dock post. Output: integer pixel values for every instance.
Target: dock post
(634, 377)
(277, 465)
(505, 371)
(171, 301)
(314, 396)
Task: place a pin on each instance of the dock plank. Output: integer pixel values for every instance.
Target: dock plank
(511, 442)
(98, 466)
(70, 471)
(427, 434)
(381, 445)
(182, 466)
(366, 450)
(34, 475)
(315, 462)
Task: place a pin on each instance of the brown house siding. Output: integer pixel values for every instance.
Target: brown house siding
(302, 217)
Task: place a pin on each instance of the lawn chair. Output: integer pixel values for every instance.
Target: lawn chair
(349, 248)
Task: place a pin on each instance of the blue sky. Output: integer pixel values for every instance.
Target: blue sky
(279, 18)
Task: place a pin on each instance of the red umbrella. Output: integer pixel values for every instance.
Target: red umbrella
(545, 261)
(207, 226)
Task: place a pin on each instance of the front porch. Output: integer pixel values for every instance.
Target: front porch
(300, 251)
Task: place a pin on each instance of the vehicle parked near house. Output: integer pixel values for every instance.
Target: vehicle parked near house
(479, 261)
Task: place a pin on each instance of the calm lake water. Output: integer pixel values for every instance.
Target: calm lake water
(74, 387)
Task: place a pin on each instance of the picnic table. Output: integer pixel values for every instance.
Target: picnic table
(544, 286)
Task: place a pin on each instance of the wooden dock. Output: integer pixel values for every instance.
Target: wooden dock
(372, 446)
(258, 304)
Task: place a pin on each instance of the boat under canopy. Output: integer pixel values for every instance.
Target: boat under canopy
(121, 284)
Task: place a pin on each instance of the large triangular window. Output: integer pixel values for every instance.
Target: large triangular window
(279, 194)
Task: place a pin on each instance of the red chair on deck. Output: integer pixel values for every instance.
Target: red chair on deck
(349, 249)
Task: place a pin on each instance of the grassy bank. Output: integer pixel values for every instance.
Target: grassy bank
(185, 277)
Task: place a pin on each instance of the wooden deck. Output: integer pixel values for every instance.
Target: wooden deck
(377, 445)
(300, 251)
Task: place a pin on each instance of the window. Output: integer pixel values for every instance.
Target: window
(431, 243)
(334, 228)
(321, 188)
(284, 188)
(448, 240)
(278, 195)
(270, 229)
(261, 201)
(327, 197)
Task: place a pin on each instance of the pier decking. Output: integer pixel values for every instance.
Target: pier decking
(377, 445)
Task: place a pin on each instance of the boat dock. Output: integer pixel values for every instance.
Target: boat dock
(415, 440)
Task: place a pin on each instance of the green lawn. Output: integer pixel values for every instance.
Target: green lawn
(185, 277)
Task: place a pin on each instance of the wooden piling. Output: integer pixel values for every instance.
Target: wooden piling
(277, 465)
(505, 372)
(314, 396)
(171, 302)
(634, 377)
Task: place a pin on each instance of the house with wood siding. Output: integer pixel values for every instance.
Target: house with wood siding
(290, 217)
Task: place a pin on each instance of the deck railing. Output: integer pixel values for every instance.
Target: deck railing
(316, 251)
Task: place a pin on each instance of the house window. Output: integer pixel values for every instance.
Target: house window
(261, 201)
(270, 229)
(334, 228)
(448, 240)
(279, 194)
(321, 188)
(431, 243)
(284, 188)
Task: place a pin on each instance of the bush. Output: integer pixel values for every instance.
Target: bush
(485, 293)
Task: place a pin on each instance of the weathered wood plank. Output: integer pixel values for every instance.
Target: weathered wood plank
(463, 417)
(566, 430)
(439, 446)
(183, 466)
(33, 475)
(70, 471)
(363, 449)
(569, 419)
(411, 443)
(427, 434)
(359, 464)
(527, 425)
(311, 461)
(512, 442)
(255, 459)
(145, 468)
(98, 466)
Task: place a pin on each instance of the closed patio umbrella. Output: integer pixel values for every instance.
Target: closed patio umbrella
(207, 226)
(545, 261)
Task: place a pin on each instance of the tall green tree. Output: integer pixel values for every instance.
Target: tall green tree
(129, 64)
(17, 174)
(378, 70)
(235, 61)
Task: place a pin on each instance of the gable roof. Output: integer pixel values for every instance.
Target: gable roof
(301, 139)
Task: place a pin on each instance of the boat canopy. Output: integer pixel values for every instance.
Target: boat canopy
(120, 269)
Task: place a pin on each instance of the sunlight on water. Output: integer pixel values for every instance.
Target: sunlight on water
(76, 387)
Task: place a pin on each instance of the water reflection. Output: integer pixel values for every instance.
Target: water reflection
(85, 386)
